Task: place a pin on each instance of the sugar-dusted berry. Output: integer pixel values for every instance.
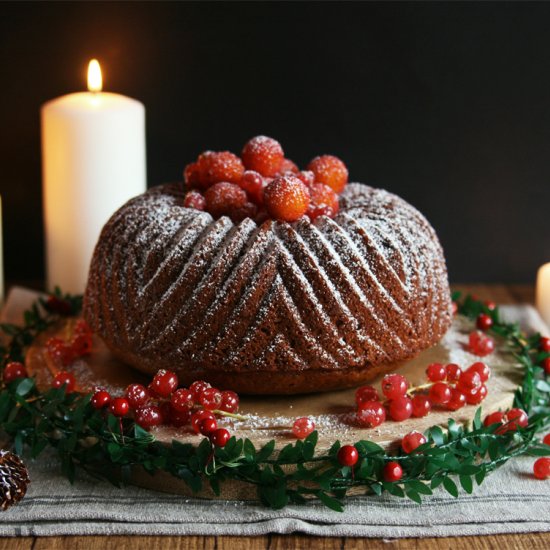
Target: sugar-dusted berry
(307, 177)
(164, 383)
(286, 199)
(264, 155)
(223, 198)
(253, 184)
(288, 166)
(194, 199)
(198, 417)
(323, 201)
(329, 170)
(215, 167)
(230, 402)
(211, 399)
(302, 427)
(197, 387)
(137, 396)
(148, 416)
(371, 414)
(182, 400)
(411, 441)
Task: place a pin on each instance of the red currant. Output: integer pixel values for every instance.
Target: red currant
(411, 441)
(457, 401)
(544, 343)
(348, 455)
(480, 344)
(211, 399)
(164, 383)
(329, 170)
(394, 386)
(264, 155)
(324, 201)
(194, 199)
(220, 437)
(198, 417)
(400, 408)
(253, 183)
(59, 351)
(219, 166)
(541, 468)
(58, 305)
(119, 406)
(179, 418)
(371, 414)
(546, 365)
(307, 177)
(288, 166)
(366, 393)
(182, 400)
(440, 393)
(223, 198)
(421, 405)
(207, 426)
(482, 369)
(100, 399)
(517, 418)
(484, 321)
(13, 371)
(82, 344)
(230, 401)
(477, 395)
(392, 472)
(469, 380)
(64, 378)
(137, 396)
(286, 199)
(192, 176)
(546, 440)
(497, 417)
(148, 416)
(302, 427)
(453, 372)
(436, 372)
(197, 387)
(491, 306)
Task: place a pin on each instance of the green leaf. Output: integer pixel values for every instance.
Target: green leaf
(480, 476)
(467, 484)
(478, 423)
(266, 451)
(330, 502)
(393, 489)
(413, 495)
(450, 486)
(419, 487)
(24, 387)
(437, 435)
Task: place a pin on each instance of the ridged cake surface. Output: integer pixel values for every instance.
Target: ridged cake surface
(275, 308)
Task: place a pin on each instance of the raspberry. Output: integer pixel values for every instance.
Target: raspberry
(494, 418)
(288, 166)
(198, 417)
(119, 406)
(197, 387)
(302, 427)
(371, 414)
(247, 210)
(100, 399)
(347, 455)
(544, 343)
(148, 416)
(324, 201)
(13, 371)
(457, 400)
(453, 372)
(194, 199)
(230, 401)
(64, 378)
(286, 199)
(192, 176)
(137, 396)
(411, 441)
(517, 418)
(264, 155)
(215, 167)
(394, 386)
(366, 393)
(440, 393)
(436, 372)
(164, 383)
(220, 437)
(541, 468)
(400, 408)
(329, 170)
(482, 369)
(477, 395)
(253, 183)
(182, 400)
(484, 322)
(208, 425)
(392, 472)
(223, 198)
(211, 399)
(421, 405)
(480, 344)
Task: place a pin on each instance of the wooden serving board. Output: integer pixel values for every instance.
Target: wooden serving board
(272, 417)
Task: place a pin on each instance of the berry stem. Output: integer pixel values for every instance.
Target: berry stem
(230, 415)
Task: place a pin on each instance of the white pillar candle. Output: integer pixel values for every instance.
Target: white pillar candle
(93, 161)
(543, 292)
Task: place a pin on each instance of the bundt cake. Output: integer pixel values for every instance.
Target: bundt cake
(268, 307)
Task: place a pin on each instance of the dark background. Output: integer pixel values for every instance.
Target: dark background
(446, 104)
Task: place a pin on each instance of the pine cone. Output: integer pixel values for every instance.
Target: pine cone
(14, 479)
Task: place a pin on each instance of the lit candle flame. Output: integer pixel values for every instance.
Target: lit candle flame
(95, 80)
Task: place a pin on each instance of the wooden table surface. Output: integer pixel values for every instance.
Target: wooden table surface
(502, 294)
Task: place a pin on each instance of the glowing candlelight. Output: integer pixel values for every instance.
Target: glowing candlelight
(543, 292)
